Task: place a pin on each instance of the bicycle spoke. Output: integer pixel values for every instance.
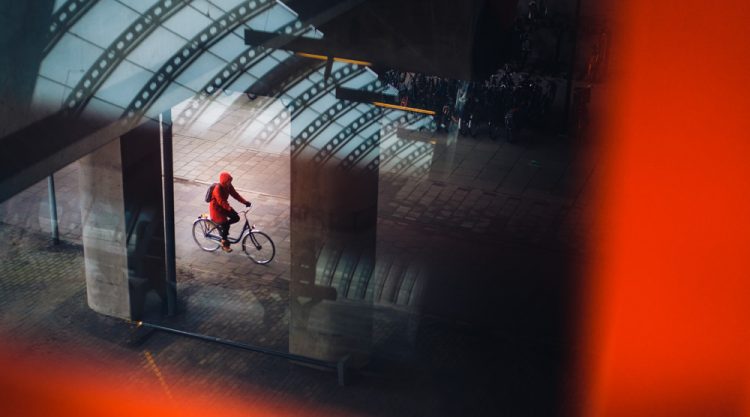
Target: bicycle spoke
(259, 253)
(202, 234)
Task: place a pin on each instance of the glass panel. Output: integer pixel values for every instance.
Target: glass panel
(201, 71)
(271, 20)
(304, 119)
(299, 89)
(280, 55)
(187, 23)
(69, 60)
(324, 103)
(222, 4)
(48, 97)
(122, 85)
(58, 3)
(229, 47)
(263, 67)
(242, 83)
(102, 108)
(104, 22)
(153, 51)
(175, 93)
(359, 81)
(139, 5)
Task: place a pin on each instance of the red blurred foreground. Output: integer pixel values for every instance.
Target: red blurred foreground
(70, 386)
(667, 324)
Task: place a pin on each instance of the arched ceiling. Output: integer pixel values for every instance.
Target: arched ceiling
(133, 59)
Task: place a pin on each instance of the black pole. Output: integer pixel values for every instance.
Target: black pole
(571, 70)
(53, 209)
(168, 188)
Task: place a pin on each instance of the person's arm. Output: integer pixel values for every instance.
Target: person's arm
(237, 195)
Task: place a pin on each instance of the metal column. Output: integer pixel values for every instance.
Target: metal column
(53, 209)
(168, 189)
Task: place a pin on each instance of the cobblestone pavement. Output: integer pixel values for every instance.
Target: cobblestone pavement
(415, 368)
(484, 206)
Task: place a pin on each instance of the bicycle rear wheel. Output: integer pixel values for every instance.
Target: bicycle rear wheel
(259, 247)
(205, 233)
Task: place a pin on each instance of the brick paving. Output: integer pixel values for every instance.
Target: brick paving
(445, 219)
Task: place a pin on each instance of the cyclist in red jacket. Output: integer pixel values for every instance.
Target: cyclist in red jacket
(221, 212)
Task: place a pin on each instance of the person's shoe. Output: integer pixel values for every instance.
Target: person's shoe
(225, 246)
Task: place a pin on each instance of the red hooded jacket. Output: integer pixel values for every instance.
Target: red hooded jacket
(219, 206)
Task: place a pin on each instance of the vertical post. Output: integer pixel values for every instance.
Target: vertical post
(53, 209)
(571, 70)
(168, 187)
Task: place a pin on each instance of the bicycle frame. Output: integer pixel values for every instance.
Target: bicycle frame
(246, 228)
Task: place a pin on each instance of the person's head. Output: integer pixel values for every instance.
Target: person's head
(225, 179)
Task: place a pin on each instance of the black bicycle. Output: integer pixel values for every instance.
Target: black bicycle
(257, 245)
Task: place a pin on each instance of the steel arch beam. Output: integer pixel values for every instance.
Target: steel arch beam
(238, 66)
(182, 59)
(63, 19)
(117, 51)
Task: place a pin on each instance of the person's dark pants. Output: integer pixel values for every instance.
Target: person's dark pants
(232, 218)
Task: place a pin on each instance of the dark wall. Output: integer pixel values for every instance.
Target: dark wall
(23, 31)
(448, 38)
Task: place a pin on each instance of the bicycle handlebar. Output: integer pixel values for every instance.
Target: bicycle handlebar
(247, 210)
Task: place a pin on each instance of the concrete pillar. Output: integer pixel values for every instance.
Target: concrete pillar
(103, 232)
(333, 229)
(122, 222)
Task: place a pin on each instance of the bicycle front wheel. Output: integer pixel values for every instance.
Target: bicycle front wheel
(206, 234)
(259, 247)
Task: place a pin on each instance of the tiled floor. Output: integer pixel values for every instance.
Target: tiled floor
(474, 246)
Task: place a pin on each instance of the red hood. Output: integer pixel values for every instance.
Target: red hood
(224, 178)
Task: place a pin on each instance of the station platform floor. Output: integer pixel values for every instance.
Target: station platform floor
(495, 232)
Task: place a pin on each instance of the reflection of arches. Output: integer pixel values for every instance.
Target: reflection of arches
(361, 151)
(115, 53)
(325, 119)
(314, 128)
(182, 59)
(64, 18)
(412, 158)
(304, 99)
(388, 154)
(397, 283)
(364, 121)
(389, 279)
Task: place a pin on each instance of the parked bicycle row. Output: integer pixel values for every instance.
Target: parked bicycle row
(507, 100)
